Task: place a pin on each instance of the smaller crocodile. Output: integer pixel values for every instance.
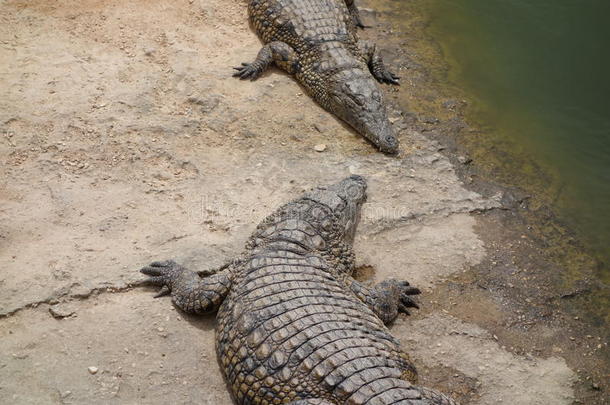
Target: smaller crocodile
(294, 327)
(316, 41)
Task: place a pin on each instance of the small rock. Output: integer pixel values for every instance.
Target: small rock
(60, 312)
(320, 147)
(319, 127)
(92, 370)
(450, 104)
(207, 104)
(430, 120)
(248, 134)
(464, 160)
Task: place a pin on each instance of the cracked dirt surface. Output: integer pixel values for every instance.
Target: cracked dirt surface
(125, 140)
(446, 341)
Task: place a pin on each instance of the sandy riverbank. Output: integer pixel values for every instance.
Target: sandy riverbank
(125, 140)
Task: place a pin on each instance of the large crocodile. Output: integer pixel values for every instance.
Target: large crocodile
(316, 41)
(293, 325)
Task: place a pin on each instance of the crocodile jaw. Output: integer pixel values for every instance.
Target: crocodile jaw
(345, 200)
(357, 100)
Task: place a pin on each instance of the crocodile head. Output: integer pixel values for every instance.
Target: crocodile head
(344, 200)
(356, 98)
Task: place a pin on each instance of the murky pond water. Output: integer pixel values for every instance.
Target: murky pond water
(538, 72)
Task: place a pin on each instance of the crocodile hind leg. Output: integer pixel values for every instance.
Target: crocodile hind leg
(435, 397)
(387, 298)
(189, 291)
(279, 52)
(376, 65)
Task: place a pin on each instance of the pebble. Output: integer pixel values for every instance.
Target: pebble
(430, 120)
(92, 370)
(58, 312)
(464, 160)
(320, 147)
(320, 128)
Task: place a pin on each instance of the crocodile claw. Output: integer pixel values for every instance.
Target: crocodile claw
(408, 302)
(162, 274)
(388, 77)
(405, 301)
(247, 71)
(163, 292)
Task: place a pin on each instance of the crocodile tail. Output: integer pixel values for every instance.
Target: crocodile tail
(435, 397)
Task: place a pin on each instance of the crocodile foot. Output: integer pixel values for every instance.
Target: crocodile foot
(249, 71)
(400, 292)
(361, 25)
(163, 274)
(190, 292)
(405, 300)
(391, 297)
(383, 75)
(375, 61)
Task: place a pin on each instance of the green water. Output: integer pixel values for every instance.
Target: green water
(539, 71)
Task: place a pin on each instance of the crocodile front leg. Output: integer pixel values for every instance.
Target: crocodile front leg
(387, 298)
(375, 62)
(189, 291)
(233, 263)
(279, 52)
(353, 10)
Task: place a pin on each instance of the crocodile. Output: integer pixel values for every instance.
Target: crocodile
(293, 326)
(316, 41)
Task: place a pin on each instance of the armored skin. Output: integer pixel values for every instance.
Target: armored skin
(293, 326)
(316, 42)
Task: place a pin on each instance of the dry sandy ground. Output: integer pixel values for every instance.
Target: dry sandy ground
(125, 140)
